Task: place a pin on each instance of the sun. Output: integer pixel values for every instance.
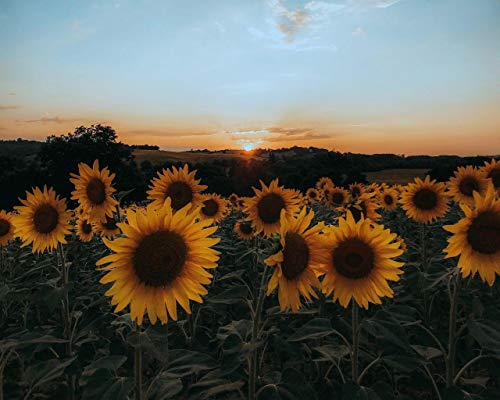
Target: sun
(248, 146)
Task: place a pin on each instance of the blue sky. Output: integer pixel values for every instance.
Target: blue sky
(408, 76)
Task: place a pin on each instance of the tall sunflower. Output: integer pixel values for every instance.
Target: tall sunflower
(264, 209)
(6, 228)
(161, 261)
(43, 220)
(491, 170)
(425, 200)
(465, 182)
(324, 182)
(313, 195)
(108, 228)
(388, 199)
(93, 191)
(179, 185)
(338, 197)
(364, 206)
(476, 238)
(213, 206)
(244, 229)
(358, 261)
(84, 229)
(356, 189)
(297, 262)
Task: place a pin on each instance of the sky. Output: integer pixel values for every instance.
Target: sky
(364, 76)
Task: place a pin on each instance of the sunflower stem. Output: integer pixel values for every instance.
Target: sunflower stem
(252, 373)
(355, 341)
(138, 367)
(66, 317)
(452, 332)
(423, 246)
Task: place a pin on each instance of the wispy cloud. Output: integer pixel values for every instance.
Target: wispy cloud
(294, 134)
(55, 120)
(8, 107)
(373, 3)
(358, 31)
(168, 132)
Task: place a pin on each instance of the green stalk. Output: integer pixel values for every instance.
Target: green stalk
(138, 370)
(355, 341)
(255, 333)
(452, 332)
(423, 246)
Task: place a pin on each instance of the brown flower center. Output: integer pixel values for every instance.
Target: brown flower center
(312, 194)
(180, 194)
(159, 258)
(494, 175)
(353, 259)
(388, 200)
(356, 191)
(246, 227)
(86, 227)
(337, 198)
(110, 224)
(468, 185)
(45, 218)
(96, 191)
(484, 233)
(295, 255)
(210, 207)
(358, 210)
(269, 208)
(4, 227)
(425, 199)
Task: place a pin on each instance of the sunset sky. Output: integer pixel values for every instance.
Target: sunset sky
(370, 76)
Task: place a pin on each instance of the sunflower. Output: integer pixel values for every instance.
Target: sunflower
(476, 238)
(492, 171)
(244, 229)
(424, 200)
(43, 220)
(465, 182)
(93, 191)
(84, 229)
(338, 197)
(323, 182)
(161, 261)
(388, 199)
(264, 209)
(213, 207)
(313, 195)
(233, 198)
(365, 206)
(108, 228)
(325, 192)
(241, 202)
(357, 189)
(6, 228)
(179, 185)
(358, 260)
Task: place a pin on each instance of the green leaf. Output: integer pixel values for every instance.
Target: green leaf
(428, 353)
(184, 362)
(487, 333)
(111, 363)
(314, 329)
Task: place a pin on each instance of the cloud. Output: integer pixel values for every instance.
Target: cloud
(358, 31)
(290, 131)
(12, 93)
(168, 133)
(373, 3)
(8, 107)
(293, 135)
(55, 120)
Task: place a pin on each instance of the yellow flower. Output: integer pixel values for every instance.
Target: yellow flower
(161, 261)
(388, 199)
(6, 228)
(244, 229)
(338, 197)
(425, 201)
(108, 228)
(465, 182)
(358, 261)
(476, 238)
(213, 207)
(491, 170)
(43, 220)
(84, 229)
(93, 191)
(296, 264)
(364, 206)
(324, 182)
(356, 189)
(264, 209)
(179, 185)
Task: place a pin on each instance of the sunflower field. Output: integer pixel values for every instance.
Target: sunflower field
(360, 292)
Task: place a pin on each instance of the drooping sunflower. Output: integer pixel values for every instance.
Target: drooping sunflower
(43, 220)
(364, 206)
(93, 191)
(84, 229)
(264, 209)
(476, 238)
(356, 189)
(179, 185)
(425, 200)
(297, 262)
(108, 228)
(491, 170)
(244, 229)
(213, 206)
(323, 182)
(388, 199)
(338, 197)
(465, 182)
(161, 261)
(312, 195)
(358, 261)
(6, 228)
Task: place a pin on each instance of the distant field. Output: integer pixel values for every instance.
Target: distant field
(395, 176)
(161, 156)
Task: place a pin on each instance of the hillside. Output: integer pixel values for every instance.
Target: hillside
(163, 156)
